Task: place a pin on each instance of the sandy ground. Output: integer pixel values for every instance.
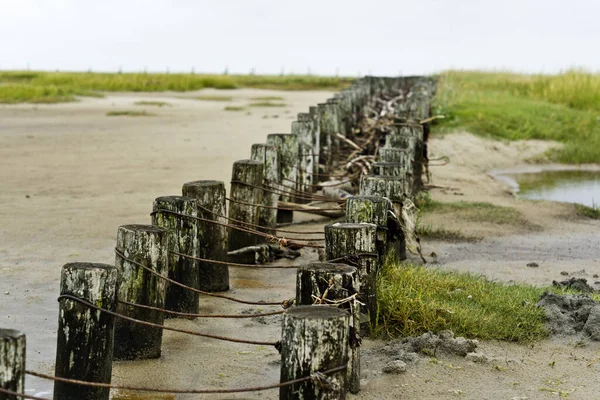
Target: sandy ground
(70, 175)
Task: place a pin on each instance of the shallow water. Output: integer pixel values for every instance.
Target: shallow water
(581, 187)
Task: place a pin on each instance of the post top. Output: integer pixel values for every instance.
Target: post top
(11, 334)
(204, 183)
(175, 199)
(143, 228)
(315, 312)
(89, 266)
(249, 162)
(373, 199)
(350, 226)
(330, 267)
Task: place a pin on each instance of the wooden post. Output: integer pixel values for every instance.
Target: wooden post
(389, 169)
(246, 187)
(314, 339)
(319, 282)
(375, 210)
(85, 342)
(212, 241)
(183, 238)
(317, 144)
(328, 131)
(287, 144)
(147, 245)
(358, 241)
(414, 131)
(12, 363)
(269, 156)
(308, 150)
(398, 155)
(397, 189)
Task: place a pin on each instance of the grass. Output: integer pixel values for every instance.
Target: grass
(477, 212)
(129, 113)
(234, 108)
(267, 98)
(153, 103)
(267, 104)
(413, 300)
(209, 97)
(587, 212)
(53, 87)
(564, 107)
(447, 235)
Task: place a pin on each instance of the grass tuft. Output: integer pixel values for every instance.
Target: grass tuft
(413, 300)
(446, 235)
(234, 108)
(209, 97)
(587, 212)
(267, 104)
(153, 103)
(129, 114)
(267, 98)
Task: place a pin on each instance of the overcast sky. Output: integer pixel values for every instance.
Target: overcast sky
(324, 36)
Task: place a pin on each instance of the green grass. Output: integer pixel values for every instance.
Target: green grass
(234, 108)
(129, 113)
(52, 87)
(267, 98)
(477, 212)
(446, 235)
(153, 103)
(564, 107)
(587, 212)
(267, 104)
(209, 97)
(413, 300)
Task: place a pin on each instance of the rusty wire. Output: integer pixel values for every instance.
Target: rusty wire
(192, 315)
(23, 396)
(250, 224)
(166, 328)
(294, 193)
(292, 208)
(271, 238)
(312, 376)
(123, 257)
(235, 265)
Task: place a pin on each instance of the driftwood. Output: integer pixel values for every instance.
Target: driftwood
(264, 253)
(312, 210)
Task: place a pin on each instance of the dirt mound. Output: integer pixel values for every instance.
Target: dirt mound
(572, 314)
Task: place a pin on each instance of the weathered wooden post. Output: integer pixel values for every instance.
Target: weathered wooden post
(321, 283)
(183, 238)
(308, 151)
(397, 189)
(358, 244)
(146, 245)
(390, 154)
(389, 169)
(212, 238)
(85, 343)
(12, 363)
(314, 339)
(269, 156)
(376, 210)
(246, 194)
(328, 130)
(287, 144)
(415, 131)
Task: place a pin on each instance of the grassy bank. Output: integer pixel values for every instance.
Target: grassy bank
(52, 87)
(564, 107)
(415, 299)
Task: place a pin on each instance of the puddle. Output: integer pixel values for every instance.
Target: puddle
(581, 187)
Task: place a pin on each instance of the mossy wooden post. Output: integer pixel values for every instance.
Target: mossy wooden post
(287, 144)
(269, 156)
(246, 187)
(375, 210)
(414, 131)
(12, 363)
(397, 189)
(85, 342)
(357, 242)
(212, 242)
(308, 151)
(319, 282)
(147, 245)
(183, 238)
(314, 339)
(389, 169)
(328, 131)
(395, 155)
(317, 144)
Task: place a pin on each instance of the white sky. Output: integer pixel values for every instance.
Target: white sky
(383, 37)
